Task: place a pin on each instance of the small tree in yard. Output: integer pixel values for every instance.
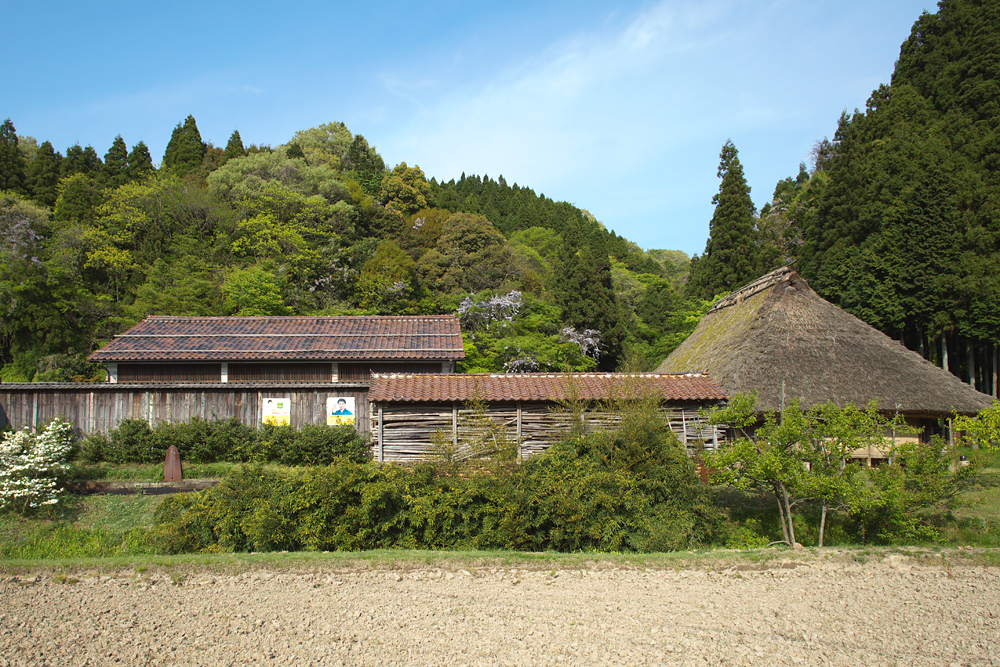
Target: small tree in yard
(806, 456)
(832, 436)
(31, 464)
(983, 430)
(768, 461)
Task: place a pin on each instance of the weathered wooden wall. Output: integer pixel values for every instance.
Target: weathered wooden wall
(404, 431)
(100, 407)
(362, 371)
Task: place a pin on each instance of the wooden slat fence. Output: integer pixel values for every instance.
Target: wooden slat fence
(404, 431)
(101, 407)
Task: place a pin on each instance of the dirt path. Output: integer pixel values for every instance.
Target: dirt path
(892, 612)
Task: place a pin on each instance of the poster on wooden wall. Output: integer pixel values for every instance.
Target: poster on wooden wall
(339, 410)
(276, 411)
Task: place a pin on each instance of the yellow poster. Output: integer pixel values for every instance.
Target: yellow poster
(339, 410)
(276, 411)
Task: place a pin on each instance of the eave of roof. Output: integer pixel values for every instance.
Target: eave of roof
(496, 387)
(25, 387)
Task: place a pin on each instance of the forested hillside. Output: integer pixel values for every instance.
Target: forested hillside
(898, 220)
(317, 226)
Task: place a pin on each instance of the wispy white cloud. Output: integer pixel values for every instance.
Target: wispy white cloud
(625, 119)
(607, 100)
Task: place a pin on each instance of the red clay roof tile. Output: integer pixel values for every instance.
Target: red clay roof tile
(160, 338)
(540, 387)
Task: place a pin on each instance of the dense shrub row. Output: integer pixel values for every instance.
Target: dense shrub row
(202, 441)
(631, 490)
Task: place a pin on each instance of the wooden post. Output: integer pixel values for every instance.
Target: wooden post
(381, 434)
(520, 449)
(91, 418)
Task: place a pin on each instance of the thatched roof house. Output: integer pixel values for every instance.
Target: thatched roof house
(777, 336)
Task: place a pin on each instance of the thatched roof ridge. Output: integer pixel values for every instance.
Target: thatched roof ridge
(776, 335)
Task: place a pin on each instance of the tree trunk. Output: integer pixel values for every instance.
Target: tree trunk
(971, 353)
(788, 515)
(944, 351)
(995, 395)
(822, 523)
(781, 513)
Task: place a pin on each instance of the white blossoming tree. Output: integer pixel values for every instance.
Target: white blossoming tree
(31, 465)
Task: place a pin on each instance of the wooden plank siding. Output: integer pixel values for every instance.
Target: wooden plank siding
(241, 371)
(362, 371)
(258, 372)
(169, 373)
(405, 430)
(101, 407)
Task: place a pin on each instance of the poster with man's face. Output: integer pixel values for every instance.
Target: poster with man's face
(339, 410)
(276, 411)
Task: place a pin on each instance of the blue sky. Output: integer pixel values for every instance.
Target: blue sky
(618, 107)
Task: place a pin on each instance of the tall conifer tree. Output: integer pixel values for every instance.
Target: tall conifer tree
(234, 148)
(116, 164)
(43, 175)
(140, 162)
(905, 235)
(731, 254)
(186, 150)
(81, 161)
(13, 166)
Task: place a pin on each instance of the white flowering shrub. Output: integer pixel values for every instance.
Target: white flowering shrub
(31, 464)
(495, 310)
(589, 341)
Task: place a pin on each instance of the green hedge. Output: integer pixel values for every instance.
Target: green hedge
(203, 441)
(628, 491)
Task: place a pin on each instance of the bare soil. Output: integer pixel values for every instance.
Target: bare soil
(892, 610)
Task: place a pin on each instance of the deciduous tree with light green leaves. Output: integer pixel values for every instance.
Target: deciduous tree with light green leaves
(253, 291)
(405, 189)
(803, 456)
(983, 430)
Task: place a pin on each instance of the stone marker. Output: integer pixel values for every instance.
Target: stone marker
(172, 466)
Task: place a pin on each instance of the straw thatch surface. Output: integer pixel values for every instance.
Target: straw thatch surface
(776, 335)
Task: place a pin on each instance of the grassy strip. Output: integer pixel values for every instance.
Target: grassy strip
(80, 527)
(152, 472)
